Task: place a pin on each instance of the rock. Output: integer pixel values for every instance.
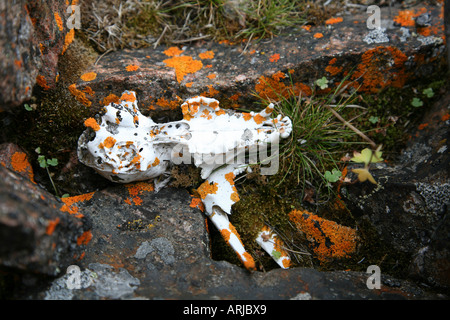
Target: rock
(393, 56)
(37, 235)
(149, 245)
(409, 206)
(32, 36)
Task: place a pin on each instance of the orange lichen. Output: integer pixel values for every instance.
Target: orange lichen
(59, 21)
(131, 67)
(307, 27)
(20, 163)
(381, 67)
(445, 117)
(405, 18)
(423, 126)
(136, 189)
(79, 95)
(318, 35)
(206, 55)
(68, 40)
(274, 89)
(331, 69)
(40, 80)
(197, 203)
(275, 57)
(69, 203)
(207, 188)
(164, 103)
(334, 20)
(51, 226)
(183, 65)
(226, 234)
(110, 98)
(91, 123)
(259, 118)
(109, 142)
(330, 240)
(85, 238)
(211, 76)
(189, 84)
(173, 51)
(88, 76)
(211, 91)
(128, 97)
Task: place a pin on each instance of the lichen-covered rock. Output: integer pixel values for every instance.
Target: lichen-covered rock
(393, 56)
(38, 234)
(409, 206)
(33, 33)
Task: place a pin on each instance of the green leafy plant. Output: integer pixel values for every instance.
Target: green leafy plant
(428, 92)
(27, 107)
(333, 176)
(366, 156)
(322, 83)
(374, 119)
(416, 102)
(45, 163)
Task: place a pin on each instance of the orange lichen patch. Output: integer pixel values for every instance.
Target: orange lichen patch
(51, 226)
(79, 95)
(307, 27)
(206, 55)
(109, 142)
(18, 63)
(445, 117)
(131, 67)
(40, 80)
(85, 238)
(88, 76)
(128, 97)
(211, 76)
(172, 105)
(230, 178)
(206, 114)
(334, 20)
(220, 112)
(275, 57)
(110, 98)
(381, 67)
(234, 196)
(247, 261)
(59, 21)
(247, 116)
(318, 35)
(69, 203)
(207, 188)
(89, 91)
(156, 162)
(423, 126)
(20, 163)
(183, 65)
(211, 91)
(91, 123)
(331, 69)
(189, 110)
(197, 203)
(68, 40)
(136, 189)
(189, 84)
(259, 118)
(330, 240)
(274, 89)
(405, 18)
(173, 51)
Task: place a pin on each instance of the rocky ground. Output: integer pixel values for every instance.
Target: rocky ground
(107, 241)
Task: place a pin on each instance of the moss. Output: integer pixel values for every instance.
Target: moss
(56, 121)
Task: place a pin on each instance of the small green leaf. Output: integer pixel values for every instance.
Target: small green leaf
(428, 92)
(42, 162)
(333, 176)
(322, 83)
(367, 156)
(373, 119)
(364, 174)
(416, 102)
(65, 195)
(27, 107)
(52, 162)
(276, 254)
(38, 150)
